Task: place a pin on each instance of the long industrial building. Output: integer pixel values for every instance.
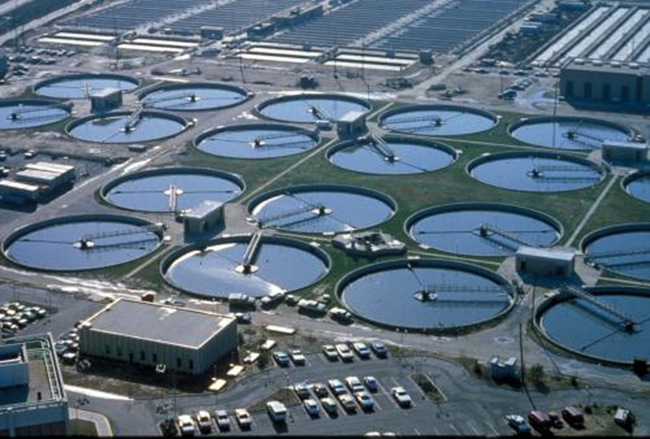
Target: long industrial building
(605, 83)
(151, 334)
(32, 397)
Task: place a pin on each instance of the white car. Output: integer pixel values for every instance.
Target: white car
(344, 352)
(400, 395)
(354, 384)
(347, 402)
(297, 357)
(337, 387)
(185, 425)
(311, 407)
(330, 352)
(243, 418)
(329, 405)
(223, 421)
(362, 350)
(519, 424)
(203, 419)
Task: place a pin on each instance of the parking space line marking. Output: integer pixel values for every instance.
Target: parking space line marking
(417, 431)
(455, 429)
(496, 433)
(476, 432)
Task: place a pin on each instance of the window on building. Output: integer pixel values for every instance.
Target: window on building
(142, 356)
(155, 358)
(179, 362)
(107, 350)
(625, 93)
(191, 364)
(119, 352)
(588, 90)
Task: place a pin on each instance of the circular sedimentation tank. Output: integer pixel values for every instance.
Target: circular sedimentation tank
(193, 97)
(611, 324)
(325, 209)
(391, 156)
(438, 120)
(425, 295)
(171, 189)
(16, 114)
(311, 107)
(222, 267)
(127, 127)
(256, 141)
(623, 249)
(80, 85)
(638, 185)
(536, 171)
(571, 133)
(482, 229)
(82, 242)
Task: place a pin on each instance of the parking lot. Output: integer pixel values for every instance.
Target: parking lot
(423, 417)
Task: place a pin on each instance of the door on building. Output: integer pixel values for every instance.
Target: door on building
(607, 92)
(588, 90)
(625, 93)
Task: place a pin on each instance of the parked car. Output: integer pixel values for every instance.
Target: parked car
(243, 418)
(311, 407)
(354, 384)
(297, 357)
(573, 416)
(347, 402)
(185, 425)
(556, 421)
(336, 386)
(362, 350)
(539, 421)
(319, 390)
(277, 411)
(400, 395)
(30, 153)
(379, 349)
(330, 352)
(203, 419)
(371, 383)
(281, 358)
(243, 318)
(344, 352)
(329, 405)
(365, 400)
(519, 424)
(222, 419)
(301, 390)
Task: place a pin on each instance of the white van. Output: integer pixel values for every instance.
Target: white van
(277, 411)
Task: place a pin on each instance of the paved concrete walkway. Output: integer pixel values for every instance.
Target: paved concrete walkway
(102, 425)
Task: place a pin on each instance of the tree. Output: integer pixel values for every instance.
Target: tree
(537, 374)
(263, 361)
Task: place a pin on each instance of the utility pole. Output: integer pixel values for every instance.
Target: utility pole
(241, 69)
(521, 354)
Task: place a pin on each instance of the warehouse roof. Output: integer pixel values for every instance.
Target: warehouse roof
(159, 323)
